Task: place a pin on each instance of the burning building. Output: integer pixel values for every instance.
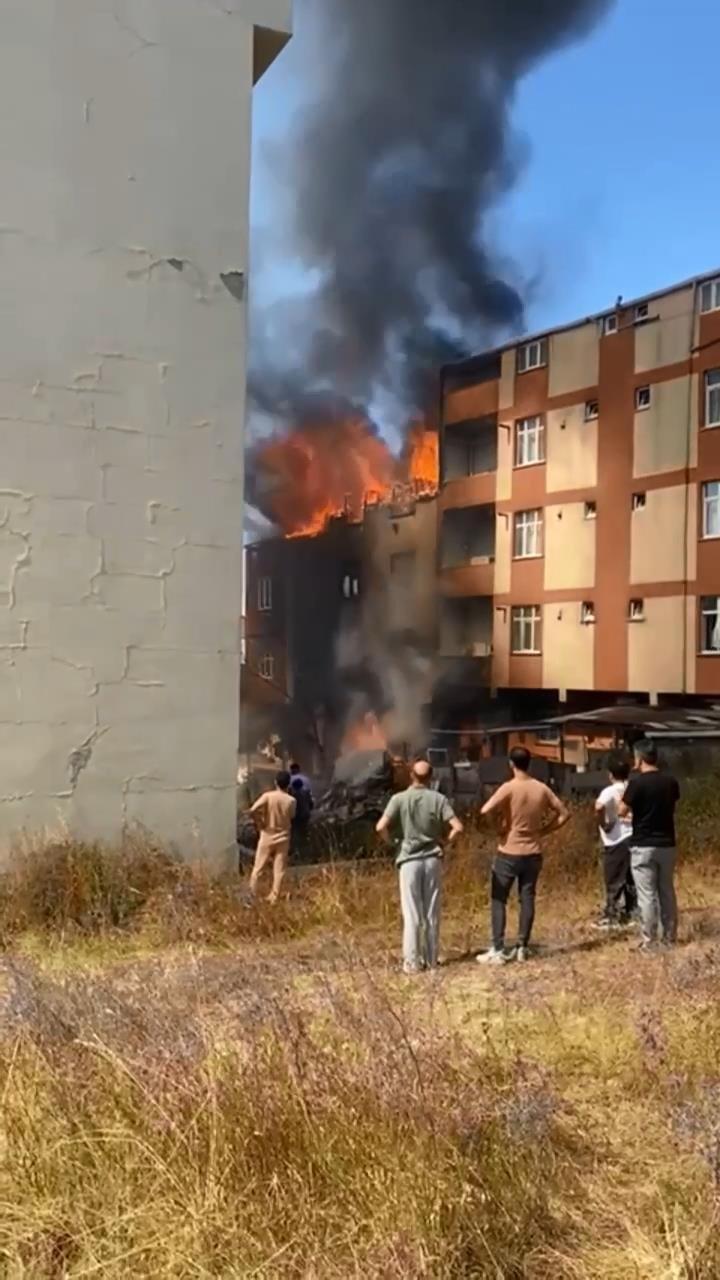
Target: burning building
(564, 556)
(341, 608)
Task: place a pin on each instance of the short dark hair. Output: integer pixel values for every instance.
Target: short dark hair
(282, 779)
(520, 757)
(646, 751)
(294, 767)
(619, 767)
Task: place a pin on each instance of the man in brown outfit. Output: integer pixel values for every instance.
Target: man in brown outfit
(273, 814)
(529, 811)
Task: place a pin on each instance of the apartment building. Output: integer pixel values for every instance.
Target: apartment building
(329, 617)
(579, 507)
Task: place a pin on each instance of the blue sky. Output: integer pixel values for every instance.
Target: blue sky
(622, 190)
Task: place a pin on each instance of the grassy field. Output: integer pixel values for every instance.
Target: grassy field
(195, 1088)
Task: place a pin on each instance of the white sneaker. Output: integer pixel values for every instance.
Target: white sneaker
(522, 954)
(492, 956)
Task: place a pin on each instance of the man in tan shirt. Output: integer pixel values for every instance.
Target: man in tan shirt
(529, 811)
(273, 814)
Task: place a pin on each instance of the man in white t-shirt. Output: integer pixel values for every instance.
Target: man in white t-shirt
(616, 836)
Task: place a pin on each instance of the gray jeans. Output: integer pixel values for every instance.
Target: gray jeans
(420, 895)
(653, 871)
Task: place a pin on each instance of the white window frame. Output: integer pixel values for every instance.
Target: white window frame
(636, 610)
(710, 296)
(528, 534)
(265, 594)
(529, 618)
(641, 311)
(532, 355)
(639, 501)
(609, 324)
(712, 398)
(707, 612)
(592, 410)
(587, 613)
(641, 402)
(591, 510)
(710, 506)
(530, 439)
(266, 668)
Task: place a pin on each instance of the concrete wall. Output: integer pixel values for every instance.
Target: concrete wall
(568, 647)
(660, 432)
(569, 547)
(574, 359)
(571, 449)
(125, 144)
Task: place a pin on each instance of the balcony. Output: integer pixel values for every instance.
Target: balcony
(467, 551)
(469, 463)
(474, 579)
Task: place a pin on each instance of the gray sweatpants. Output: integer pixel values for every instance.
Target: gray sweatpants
(654, 875)
(420, 895)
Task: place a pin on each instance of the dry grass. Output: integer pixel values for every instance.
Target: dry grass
(195, 1088)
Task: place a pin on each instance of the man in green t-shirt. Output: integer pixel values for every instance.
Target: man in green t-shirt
(422, 816)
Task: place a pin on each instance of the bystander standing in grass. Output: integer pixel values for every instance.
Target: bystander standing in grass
(615, 834)
(650, 798)
(273, 813)
(422, 816)
(528, 811)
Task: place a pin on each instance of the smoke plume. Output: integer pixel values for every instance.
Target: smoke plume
(403, 146)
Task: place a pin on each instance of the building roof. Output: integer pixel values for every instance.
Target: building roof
(468, 364)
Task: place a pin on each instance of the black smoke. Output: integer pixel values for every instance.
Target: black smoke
(402, 149)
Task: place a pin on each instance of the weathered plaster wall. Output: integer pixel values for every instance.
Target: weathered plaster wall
(124, 150)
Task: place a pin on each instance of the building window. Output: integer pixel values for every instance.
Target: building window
(710, 624)
(267, 666)
(639, 501)
(642, 311)
(592, 410)
(587, 612)
(636, 611)
(712, 398)
(527, 629)
(710, 296)
(547, 737)
(265, 595)
(609, 324)
(528, 534)
(529, 441)
(350, 586)
(642, 398)
(591, 510)
(711, 509)
(532, 355)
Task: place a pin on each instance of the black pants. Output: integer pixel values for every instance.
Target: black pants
(299, 837)
(619, 883)
(506, 870)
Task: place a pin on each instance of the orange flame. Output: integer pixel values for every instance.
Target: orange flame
(367, 735)
(424, 461)
(317, 473)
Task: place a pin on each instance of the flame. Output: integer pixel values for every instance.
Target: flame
(424, 459)
(319, 472)
(367, 734)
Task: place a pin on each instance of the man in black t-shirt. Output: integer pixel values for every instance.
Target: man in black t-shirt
(651, 797)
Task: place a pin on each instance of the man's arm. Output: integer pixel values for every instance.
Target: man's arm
(453, 823)
(560, 813)
(625, 805)
(496, 801)
(602, 819)
(383, 826)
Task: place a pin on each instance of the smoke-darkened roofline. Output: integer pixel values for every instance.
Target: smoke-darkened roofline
(475, 363)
